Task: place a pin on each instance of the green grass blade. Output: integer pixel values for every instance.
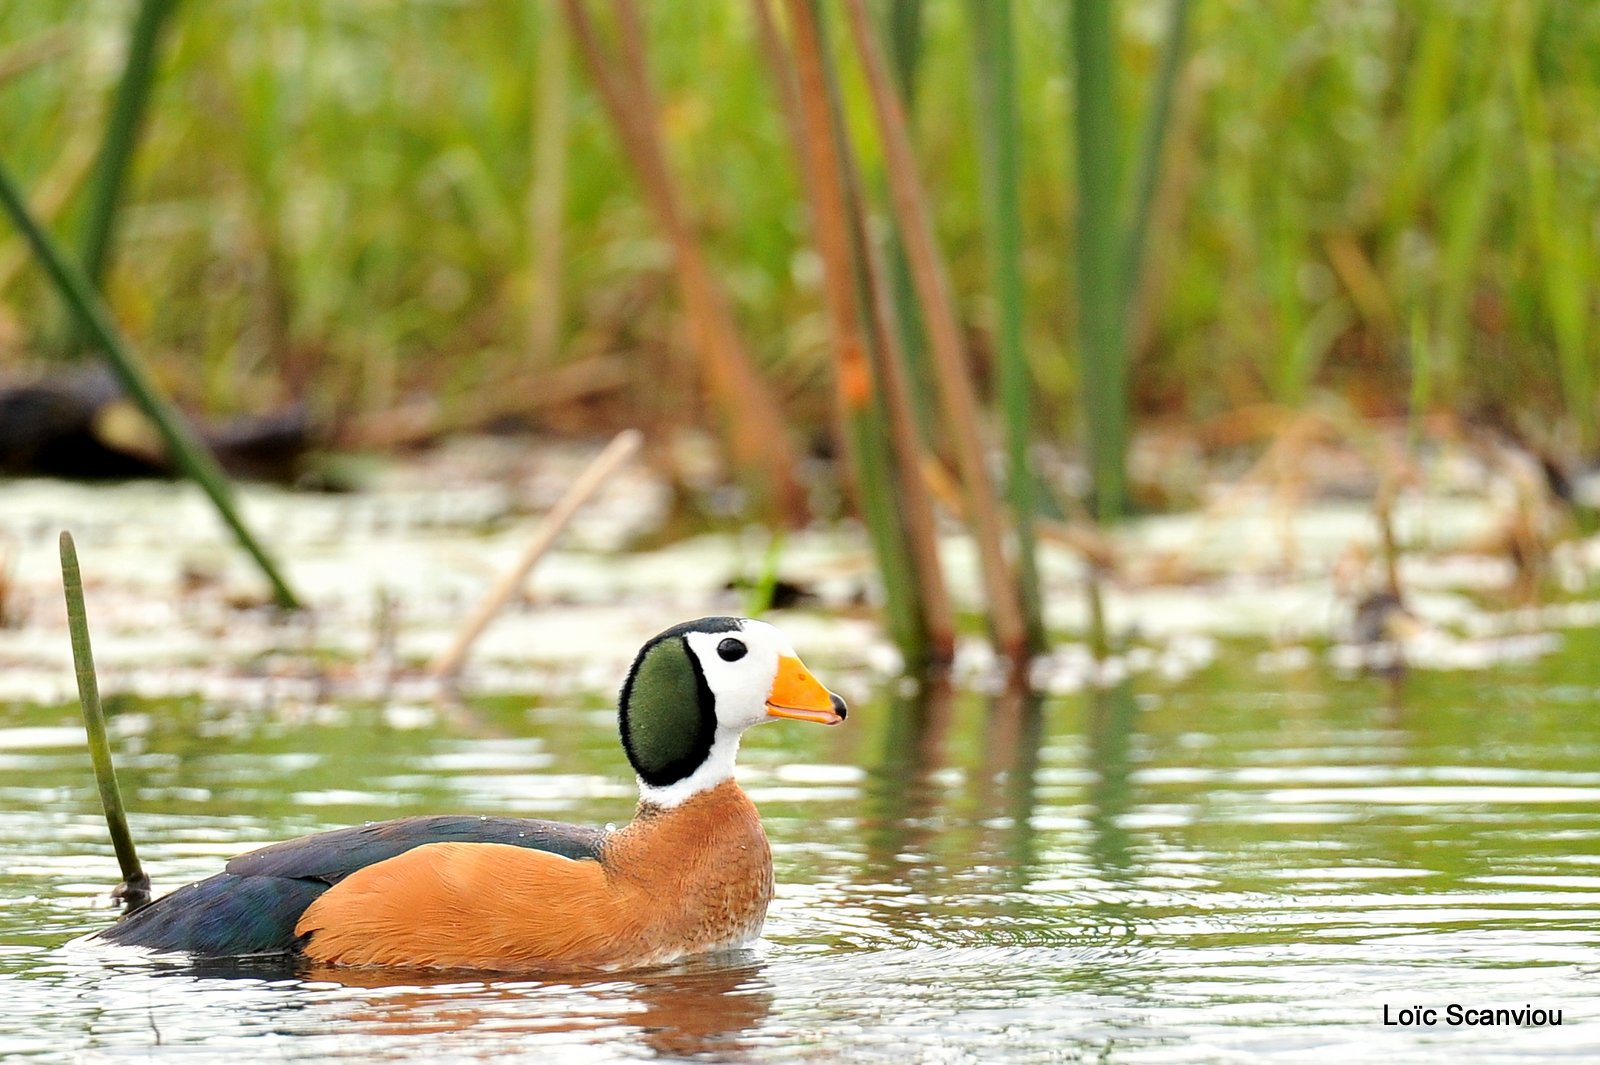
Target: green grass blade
(190, 455)
(135, 890)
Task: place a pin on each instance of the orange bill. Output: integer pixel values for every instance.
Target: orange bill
(797, 694)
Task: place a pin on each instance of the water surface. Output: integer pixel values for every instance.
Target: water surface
(1232, 865)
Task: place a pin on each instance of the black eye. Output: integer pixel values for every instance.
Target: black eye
(731, 650)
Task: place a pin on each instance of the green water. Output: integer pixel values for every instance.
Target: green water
(1234, 866)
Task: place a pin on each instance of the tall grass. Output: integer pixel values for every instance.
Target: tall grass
(121, 135)
(759, 434)
(187, 453)
(334, 205)
(547, 191)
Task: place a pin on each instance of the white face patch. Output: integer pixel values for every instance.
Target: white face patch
(741, 685)
(741, 688)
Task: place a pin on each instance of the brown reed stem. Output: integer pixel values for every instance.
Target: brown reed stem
(549, 187)
(944, 340)
(756, 427)
(866, 340)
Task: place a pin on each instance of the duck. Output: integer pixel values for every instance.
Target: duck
(691, 874)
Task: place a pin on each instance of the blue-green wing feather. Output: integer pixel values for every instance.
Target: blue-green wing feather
(253, 906)
(223, 916)
(332, 856)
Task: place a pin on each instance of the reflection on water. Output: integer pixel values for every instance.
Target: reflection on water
(1136, 874)
(705, 1009)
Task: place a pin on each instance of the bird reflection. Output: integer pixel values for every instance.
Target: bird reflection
(697, 1009)
(686, 1011)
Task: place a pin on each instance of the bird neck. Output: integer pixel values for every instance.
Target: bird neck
(715, 769)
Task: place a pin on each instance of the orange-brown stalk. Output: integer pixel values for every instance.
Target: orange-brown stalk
(548, 189)
(856, 304)
(944, 340)
(756, 427)
(905, 441)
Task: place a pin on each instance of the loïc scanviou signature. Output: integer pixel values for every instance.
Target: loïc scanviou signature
(1456, 1015)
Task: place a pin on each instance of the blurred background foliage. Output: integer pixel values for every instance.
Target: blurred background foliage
(331, 202)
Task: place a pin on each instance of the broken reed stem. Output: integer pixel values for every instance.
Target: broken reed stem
(999, 143)
(1101, 285)
(135, 889)
(963, 421)
(122, 134)
(622, 447)
(549, 186)
(190, 455)
(755, 423)
(859, 402)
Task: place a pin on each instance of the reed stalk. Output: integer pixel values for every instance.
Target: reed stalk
(756, 428)
(962, 419)
(135, 889)
(1152, 148)
(190, 455)
(891, 368)
(122, 135)
(1100, 268)
(999, 143)
(547, 192)
(622, 447)
(878, 480)
(765, 587)
(1421, 399)
(904, 38)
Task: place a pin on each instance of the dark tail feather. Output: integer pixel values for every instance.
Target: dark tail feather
(221, 917)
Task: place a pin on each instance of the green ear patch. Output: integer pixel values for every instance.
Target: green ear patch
(668, 714)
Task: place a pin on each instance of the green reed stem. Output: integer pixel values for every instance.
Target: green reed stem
(928, 592)
(1152, 146)
(904, 39)
(122, 135)
(92, 315)
(1101, 330)
(999, 141)
(765, 587)
(963, 420)
(868, 420)
(135, 890)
